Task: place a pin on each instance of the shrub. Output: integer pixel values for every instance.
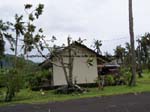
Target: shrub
(36, 79)
(125, 75)
(2, 81)
(109, 80)
(11, 80)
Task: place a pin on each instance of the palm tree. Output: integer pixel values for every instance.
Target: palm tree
(19, 30)
(120, 53)
(97, 45)
(144, 42)
(131, 31)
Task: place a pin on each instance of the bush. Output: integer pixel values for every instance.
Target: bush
(36, 79)
(109, 80)
(121, 78)
(2, 81)
(125, 75)
(11, 80)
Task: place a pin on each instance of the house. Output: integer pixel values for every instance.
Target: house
(108, 68)
(85, 69)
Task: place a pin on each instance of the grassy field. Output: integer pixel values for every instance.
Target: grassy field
(28, 96)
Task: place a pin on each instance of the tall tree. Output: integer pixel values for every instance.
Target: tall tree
(133, 60)
(30, 36)
(70, 62)
(19, 30)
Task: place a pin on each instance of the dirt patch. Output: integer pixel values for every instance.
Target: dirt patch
(119, 103)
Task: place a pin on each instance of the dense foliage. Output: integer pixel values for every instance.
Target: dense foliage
(10, 79)
(38, 79)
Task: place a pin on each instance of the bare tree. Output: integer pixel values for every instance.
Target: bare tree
(131, 31)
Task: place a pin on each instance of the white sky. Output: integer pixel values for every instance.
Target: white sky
(106, 20)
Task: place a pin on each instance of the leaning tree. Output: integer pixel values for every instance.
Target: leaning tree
(66, 61)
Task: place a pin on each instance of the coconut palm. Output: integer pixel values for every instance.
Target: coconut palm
(120, 53)
(19, 30)
(97, 45)
(133, 60)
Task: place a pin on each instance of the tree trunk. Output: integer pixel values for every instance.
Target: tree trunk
(70, 64)
(131, 31)
(68, 74)
(139, 61)
(64, 69)
(16, 49)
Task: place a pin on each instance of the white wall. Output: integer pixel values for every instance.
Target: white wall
(82, 73)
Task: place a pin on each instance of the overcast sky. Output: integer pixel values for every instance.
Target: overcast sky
(105, 20)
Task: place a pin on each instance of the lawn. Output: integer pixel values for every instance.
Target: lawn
(28, 96)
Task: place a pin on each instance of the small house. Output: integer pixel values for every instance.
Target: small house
(85, 64)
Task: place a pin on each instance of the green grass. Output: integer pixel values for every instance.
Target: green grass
(28, 96)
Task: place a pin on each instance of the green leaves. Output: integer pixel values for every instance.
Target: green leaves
(31, 17)
(37, 38)
(39, 10)
(32, 35)
(3, 26)
(2, 43)
(4, 35)
(97, 45)
(31, 27)
(28, 6)
(38, 78)
(23, 28)
(11, 79)
(90, 61)
(41, 30)
(19, 25)
(120, 52)
(144, 43)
